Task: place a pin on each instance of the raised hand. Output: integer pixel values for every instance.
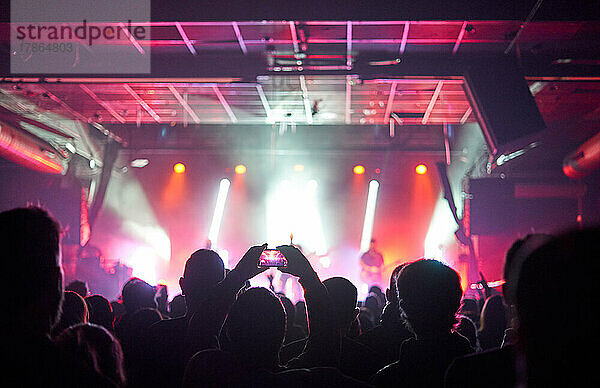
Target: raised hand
(297, 264)
(247, 267)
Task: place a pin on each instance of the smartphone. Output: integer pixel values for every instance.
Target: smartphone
(271, 258)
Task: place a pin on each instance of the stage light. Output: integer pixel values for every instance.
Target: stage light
(299, 167)
(369, 216)
(215, 225)
(179, 168)
(377, 171)
(143, 263)
(139, 163)
(299, 201)
(358, 169)
(240, 169)
(421, 169)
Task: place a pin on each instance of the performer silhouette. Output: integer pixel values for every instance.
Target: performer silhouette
(372, 265)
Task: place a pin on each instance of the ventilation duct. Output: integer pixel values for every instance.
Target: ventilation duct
(29, 151)
(584, 160)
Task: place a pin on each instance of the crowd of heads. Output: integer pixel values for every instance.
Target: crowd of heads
(231, 334)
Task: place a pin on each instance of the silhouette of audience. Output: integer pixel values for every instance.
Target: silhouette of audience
(494, 317)
(74, 310)
(497, 366)
(388, 335)
(95, 347)
(30, 252)
(78, 286)
(556, 299)
(177, 306)
(222, 332)
(293, 332)
(101, 312)
(429, 295)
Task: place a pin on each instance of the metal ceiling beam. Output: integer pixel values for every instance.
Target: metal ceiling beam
(305, 99)
(238, 34)
(348, 99)
(466, 115)
(294, 36)
(185, 38)
(265, 103)
(349, 44)
(103, 104)
(133, 41)
(390, 103)
(404, 37)
(436, 93)
(143, 103)
(459, 39)
(184, 104)
(225, 104)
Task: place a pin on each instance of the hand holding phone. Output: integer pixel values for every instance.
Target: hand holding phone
(272, 258)
(298, 265)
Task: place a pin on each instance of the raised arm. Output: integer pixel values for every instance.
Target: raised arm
(322, 347)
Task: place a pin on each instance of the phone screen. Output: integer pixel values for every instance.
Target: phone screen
(271, 258)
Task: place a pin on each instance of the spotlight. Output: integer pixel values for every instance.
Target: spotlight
(240, 169)
(139, 163)
(215, 225)
(369, 216)
(421, 169)
(299, 167)
(179, 168)
(359, 170)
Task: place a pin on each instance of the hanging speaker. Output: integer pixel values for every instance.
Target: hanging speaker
(504, 106)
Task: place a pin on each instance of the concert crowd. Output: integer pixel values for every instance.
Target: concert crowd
(421, 331)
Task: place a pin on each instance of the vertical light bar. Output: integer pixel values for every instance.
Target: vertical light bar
(215, 225)
(367, 231)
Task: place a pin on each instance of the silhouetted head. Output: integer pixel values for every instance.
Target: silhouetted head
(96, 348)
(137, 294)
(429, 294)
(101, 312)
(30, 254)
(79, 287)
(513, 260)
(256, 326)
(203, 270)
(177, 307)
(74, 311)
(391, 293)
(494, 315)
(470, 309)
(556, 297)
(343, 295)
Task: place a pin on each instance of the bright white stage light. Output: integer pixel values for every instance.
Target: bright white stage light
(215, 225)
(441, 231)
(292, 208)
(367, 231)
(143, 264)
